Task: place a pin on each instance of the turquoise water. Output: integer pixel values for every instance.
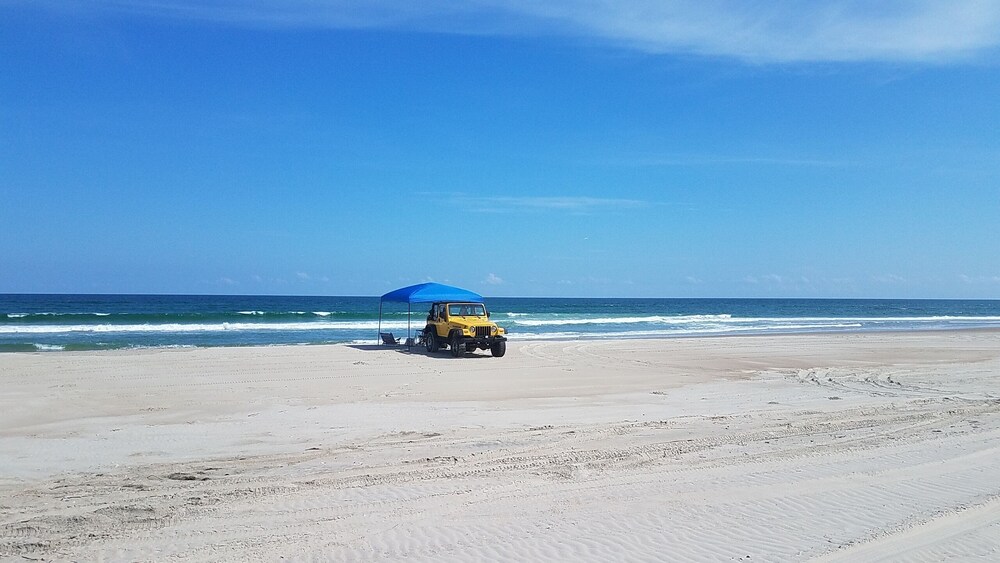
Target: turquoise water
(85, 322)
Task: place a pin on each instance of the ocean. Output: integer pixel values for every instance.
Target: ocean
(97, 322)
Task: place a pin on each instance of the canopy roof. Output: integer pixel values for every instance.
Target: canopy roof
(429, 293)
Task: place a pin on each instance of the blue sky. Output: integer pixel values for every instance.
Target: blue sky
(666, 149)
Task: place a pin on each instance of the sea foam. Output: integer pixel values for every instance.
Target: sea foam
(202, 327)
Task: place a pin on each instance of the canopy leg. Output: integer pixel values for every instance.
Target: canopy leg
(378, 335)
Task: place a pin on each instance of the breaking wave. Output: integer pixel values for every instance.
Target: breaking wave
(67, 323)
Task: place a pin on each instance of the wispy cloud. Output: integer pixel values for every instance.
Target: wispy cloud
(788, 31)
(568, 204)
(493, 279)
(803, 30)
(889, 279)
(975, 280)
(705, 160)
(307, 277)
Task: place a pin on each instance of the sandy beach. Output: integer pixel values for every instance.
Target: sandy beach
(833, 447)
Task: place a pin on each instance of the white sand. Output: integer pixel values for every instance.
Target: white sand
(849, 447)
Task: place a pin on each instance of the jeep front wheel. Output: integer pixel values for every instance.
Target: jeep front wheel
(430, 340)
(498, 349)
(457, 349)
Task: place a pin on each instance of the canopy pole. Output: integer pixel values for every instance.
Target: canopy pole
(379, 335)
(408, 313)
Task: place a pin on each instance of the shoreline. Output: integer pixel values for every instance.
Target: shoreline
(654, 448)
(581, 338)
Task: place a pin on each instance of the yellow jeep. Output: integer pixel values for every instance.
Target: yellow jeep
(463, 327)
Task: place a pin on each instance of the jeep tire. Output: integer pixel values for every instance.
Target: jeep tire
(430, 340)
(457, 348)
(498, 349)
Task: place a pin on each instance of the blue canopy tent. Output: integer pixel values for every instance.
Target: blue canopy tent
(424, 293)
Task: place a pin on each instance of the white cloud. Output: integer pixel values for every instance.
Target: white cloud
(493, 279)
(762, 32)
(302, 276)
(804, 30)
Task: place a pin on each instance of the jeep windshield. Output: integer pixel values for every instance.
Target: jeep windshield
(467, 310)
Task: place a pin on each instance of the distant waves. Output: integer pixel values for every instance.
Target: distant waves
(64, 322)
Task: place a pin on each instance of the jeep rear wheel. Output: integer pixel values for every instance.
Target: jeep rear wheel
(457, 349)
(498, 349)
(430, 340)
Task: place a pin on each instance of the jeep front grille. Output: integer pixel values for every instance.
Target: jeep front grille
(482, 331)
